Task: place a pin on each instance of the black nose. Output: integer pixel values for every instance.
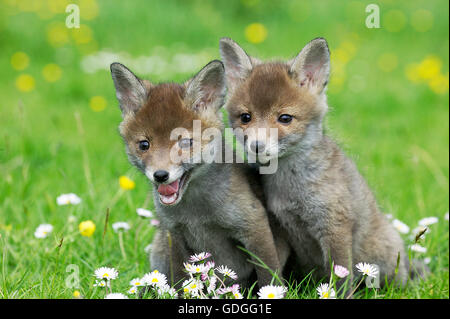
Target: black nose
(257, 146)
(161, 176)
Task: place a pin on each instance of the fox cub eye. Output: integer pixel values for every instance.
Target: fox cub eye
(245, 118)
(285, 118)
(144, 145)
(185, 142)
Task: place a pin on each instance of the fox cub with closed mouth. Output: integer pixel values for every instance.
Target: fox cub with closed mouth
(316, 193)
(202, 206)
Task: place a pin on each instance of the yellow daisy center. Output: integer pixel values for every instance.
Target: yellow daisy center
(271, 295)
(105, 275)
(155, 280)
(325, 294)
(186, 289)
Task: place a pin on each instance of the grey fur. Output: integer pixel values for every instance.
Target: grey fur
(320, 199)
(219, 210)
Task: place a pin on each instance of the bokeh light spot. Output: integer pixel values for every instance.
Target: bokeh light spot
(255, 33)
(25, 83)
(57, 34)
(51, 72)
(20, 61)
(97, 103)
(82, 35)
(422, 20)
(88, 9)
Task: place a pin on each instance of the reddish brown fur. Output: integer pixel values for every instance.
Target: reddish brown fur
(267, 93)
(153, 123)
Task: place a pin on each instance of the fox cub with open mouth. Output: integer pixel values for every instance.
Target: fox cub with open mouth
(203, 206)
(317, 193)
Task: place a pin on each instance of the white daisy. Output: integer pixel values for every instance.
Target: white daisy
(422, 230)
(43, 230)
(144, 213)
(195, 269)
(238, 295)
(427, 260)
(154, 278)
(227, 272)
(367, 269)
(137, 282)
(400, 226)
(427, 221)
(166, 289)
(116, 295)
(133, 290)
(417, 248)
(101, 283)
(326, 292)
(192, 287)
(212, 284)
(233, 289)
(66, 199)
(72, 219)
(199, 257)
(341, 271)
(106, 273)
(120, 226)
(272, 292)
(446, 216)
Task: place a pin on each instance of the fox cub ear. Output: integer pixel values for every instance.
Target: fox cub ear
(238, 64)
(311, 67)
(206, 90)
(130, 90)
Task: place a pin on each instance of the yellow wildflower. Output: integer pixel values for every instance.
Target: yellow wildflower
(76, 294)
(126, 183)
(87, 228)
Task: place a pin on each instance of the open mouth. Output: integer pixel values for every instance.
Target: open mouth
(170, 193)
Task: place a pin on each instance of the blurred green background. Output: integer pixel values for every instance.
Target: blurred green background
(388, 97)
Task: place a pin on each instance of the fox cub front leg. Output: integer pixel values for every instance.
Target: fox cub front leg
(167, 256)
(259, 241)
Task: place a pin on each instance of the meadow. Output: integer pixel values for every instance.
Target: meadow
(389, 110)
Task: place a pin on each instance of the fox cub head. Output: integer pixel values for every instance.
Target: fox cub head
(286, 96)
(158, 125)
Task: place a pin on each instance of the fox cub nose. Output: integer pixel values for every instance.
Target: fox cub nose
(161, 176)
(257, 146)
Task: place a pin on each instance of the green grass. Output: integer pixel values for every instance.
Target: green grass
(395, 129)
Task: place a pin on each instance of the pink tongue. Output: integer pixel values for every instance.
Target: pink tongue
(169, 189)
